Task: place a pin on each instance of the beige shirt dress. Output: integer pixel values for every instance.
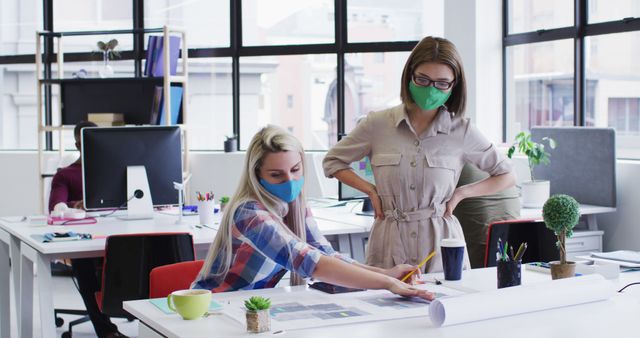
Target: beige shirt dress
(415, 176)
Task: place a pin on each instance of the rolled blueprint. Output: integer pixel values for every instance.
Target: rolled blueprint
(520, 299)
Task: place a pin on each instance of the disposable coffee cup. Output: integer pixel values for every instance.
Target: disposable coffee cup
(190, 304)
(206, 212)
(452, 257)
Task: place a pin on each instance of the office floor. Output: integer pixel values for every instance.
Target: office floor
(66, 296)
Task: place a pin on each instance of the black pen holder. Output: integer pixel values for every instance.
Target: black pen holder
(230, 145)
(509, 273)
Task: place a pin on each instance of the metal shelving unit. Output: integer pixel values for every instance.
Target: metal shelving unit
(43, 81)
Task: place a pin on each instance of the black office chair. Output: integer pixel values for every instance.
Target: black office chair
(541, 242)
(128, 261)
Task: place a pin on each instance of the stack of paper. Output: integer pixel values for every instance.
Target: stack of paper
(625, 256)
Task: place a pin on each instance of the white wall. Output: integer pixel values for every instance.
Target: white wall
(475, 27)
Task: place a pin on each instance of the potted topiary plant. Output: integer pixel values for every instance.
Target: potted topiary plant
(258, 318)
(561, 214)
(534, 192)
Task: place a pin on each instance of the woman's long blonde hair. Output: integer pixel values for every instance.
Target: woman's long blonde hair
(291, 217)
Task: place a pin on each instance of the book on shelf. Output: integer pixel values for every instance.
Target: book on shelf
(158, 115)
(151, 47)
(154, 65)
(106, 119)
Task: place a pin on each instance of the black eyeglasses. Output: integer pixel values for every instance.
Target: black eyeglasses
(424, 81)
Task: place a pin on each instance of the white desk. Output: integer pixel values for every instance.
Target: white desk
(611, 318)
(16, 241)
(589, 211)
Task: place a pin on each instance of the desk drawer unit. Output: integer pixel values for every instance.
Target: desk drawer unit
(584, 241)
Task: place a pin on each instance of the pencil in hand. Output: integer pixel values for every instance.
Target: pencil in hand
(433, 253)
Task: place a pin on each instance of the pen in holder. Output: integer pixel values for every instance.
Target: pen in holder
(206, 208)
(509, 273)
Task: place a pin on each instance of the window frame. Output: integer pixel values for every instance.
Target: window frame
(236, 50)
(578, 32)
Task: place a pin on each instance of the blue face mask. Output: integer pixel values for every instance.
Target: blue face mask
(286, 191)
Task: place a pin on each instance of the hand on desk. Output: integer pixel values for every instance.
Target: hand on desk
(406, 290)
(401, 270)
(77, 204)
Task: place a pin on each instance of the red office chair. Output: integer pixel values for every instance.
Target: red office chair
(163, 280)
(128, 261)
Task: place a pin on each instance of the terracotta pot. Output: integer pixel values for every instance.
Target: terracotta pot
(258, 321)
(559, 271)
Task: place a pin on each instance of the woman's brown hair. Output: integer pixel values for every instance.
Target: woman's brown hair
(438, 50)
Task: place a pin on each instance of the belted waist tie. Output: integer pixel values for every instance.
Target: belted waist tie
(415, 215)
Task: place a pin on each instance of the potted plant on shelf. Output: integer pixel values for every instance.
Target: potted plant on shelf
(534, 192)
(108, 50)
(257, 312)
(224, 200)
(561, 214)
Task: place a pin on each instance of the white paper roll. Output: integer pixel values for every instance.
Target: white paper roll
(520, 299)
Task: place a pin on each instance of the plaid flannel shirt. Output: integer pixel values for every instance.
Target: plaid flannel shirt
(263, 251)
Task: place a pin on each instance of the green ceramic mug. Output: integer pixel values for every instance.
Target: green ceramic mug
(190, 304)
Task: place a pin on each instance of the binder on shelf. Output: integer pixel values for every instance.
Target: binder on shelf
(155, 106)
(151, 46)
(155, 49)
(158, 115)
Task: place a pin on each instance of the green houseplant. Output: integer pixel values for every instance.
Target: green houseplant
(561, 214)
(108, 50)
(534, 192)
(257, 313)
(224, 200)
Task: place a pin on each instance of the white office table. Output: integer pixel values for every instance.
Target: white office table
(615, 317)
(17, 242)
(589, 211)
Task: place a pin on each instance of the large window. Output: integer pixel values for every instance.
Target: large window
(313, 67)
(573, 62)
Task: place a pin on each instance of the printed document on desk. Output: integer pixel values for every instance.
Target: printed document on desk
(595, 257)
(313, 308)
(623, 256)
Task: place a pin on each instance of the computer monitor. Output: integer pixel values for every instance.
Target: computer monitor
(363, 169)
(131, 166)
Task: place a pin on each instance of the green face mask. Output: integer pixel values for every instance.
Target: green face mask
(428, 97)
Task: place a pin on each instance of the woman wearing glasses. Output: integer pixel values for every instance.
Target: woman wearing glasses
(417, 151)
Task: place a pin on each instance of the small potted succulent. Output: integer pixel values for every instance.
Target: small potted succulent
(534, 192)
(258, 318)
(224, 200)
(561, 214)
